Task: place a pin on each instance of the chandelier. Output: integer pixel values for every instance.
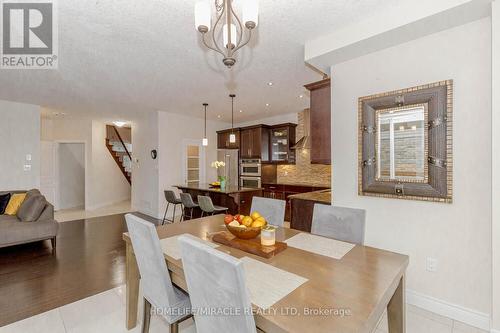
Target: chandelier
(233, 37)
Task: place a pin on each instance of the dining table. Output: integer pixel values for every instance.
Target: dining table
(344, 295)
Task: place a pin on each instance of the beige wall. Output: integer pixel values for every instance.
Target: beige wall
(19, 136)
(495, 235)
(457, 234)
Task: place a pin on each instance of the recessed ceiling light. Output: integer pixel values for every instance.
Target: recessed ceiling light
(270, 83)
(267, 104)
(241, 111)
(120, 123)
(301, 96)
(218, 116)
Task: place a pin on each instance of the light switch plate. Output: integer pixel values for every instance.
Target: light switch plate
(27, 167)
(28, 157)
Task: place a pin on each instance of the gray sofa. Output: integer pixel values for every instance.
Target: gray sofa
(13, 231)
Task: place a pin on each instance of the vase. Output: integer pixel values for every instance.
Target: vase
(222, 184)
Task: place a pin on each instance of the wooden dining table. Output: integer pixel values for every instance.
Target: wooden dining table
(341, 295)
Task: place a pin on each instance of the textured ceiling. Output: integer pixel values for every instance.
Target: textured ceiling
(122, 57)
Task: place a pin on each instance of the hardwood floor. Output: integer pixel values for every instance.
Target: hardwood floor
(90, 259)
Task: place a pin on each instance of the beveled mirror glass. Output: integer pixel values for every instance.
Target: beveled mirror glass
(401, 147)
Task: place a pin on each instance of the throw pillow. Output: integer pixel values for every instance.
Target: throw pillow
(31, 208)
(14, 203)
(4, 201)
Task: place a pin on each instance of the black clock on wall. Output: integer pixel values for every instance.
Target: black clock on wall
(154, 154)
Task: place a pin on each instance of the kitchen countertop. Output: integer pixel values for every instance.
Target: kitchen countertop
(296, 184)
(323, 196)
(208, 188)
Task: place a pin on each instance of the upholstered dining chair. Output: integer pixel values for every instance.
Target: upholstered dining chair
(208, 207)
(345, 224)
(273, 210)
(216, 280)
(187, 203)
(173, 304)
(171, 199)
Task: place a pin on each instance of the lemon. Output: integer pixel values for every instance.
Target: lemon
(255, 215)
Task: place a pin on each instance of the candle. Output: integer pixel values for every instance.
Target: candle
(268, 236)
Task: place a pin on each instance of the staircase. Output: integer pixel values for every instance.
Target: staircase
(120, 150)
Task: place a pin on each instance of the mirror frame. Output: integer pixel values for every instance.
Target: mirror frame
(438, 97)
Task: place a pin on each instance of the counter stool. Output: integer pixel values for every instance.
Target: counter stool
(187, 202)
(171, 199)
(207, 206)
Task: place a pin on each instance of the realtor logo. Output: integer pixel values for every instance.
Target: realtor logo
(29, 34)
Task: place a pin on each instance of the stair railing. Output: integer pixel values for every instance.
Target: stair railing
(123, 143)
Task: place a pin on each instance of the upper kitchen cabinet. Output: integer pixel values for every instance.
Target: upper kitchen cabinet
(320, 121)
(223, 139)
(282, 139)
(255, 142)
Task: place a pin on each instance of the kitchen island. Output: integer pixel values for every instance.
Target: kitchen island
(237, 199)
(303, 207)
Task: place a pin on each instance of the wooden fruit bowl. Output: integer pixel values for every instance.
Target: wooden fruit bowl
(244, 233)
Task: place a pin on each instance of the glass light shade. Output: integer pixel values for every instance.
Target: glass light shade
(251, 11)
(232, 138)
(204, 142)
(233, 34)
(202, 15)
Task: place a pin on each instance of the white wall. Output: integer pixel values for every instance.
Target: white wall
(71, 169)
(456, 234)
(173, 130)
(495, 235)
(104, 182)
(144, 168)
(272, 120)
(19, 136)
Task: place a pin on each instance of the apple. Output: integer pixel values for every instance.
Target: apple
(228, 218)
(239, 218)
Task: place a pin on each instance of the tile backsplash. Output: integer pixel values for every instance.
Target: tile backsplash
(303, 172)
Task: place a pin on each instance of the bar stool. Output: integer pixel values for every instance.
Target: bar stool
(187, 202)
(171, 199)
(207, 206)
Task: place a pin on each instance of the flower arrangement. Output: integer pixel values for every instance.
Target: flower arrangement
(218, 164)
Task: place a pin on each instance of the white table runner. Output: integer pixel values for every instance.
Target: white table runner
(320, 245)
(170, 246)
(267, 284)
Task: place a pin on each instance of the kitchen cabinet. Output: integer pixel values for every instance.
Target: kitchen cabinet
(320, 121)
(284, 191)
(254, 142)
(282, 139)
(223, 139)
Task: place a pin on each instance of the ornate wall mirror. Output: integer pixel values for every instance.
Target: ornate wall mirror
(405, 143)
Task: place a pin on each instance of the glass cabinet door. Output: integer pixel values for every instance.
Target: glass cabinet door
(279, 144)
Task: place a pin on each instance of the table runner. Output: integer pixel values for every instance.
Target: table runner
(170, 246)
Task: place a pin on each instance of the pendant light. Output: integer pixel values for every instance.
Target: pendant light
(232, 136)
(205, 140)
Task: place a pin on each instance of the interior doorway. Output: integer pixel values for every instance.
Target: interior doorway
(70, 175)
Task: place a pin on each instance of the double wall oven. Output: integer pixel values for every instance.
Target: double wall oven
(250, 173)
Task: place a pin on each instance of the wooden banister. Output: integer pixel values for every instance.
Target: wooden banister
(123, 143)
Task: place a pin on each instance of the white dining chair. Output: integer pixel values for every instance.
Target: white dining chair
(216, 282)
(341, 223)
(170, 302)
(273, 210)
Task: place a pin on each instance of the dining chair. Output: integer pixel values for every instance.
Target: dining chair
(345, 224)
(207, 206)
(187, 203)
(273, 210)
(171, 199)
(216, 281)
(172, 303)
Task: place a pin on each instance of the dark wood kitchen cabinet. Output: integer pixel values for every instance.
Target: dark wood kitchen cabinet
(282, 139)
(254, 142)
(223, 139)
(320, 121)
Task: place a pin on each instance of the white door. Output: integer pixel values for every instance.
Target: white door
(48, 171)
(193, 162)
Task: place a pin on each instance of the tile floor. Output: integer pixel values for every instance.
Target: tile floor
(72, 214)
(105, 312)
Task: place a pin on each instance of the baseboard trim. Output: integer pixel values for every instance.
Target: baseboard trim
(468, 316)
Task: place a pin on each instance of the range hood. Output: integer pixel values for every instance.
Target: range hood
(305, 141)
